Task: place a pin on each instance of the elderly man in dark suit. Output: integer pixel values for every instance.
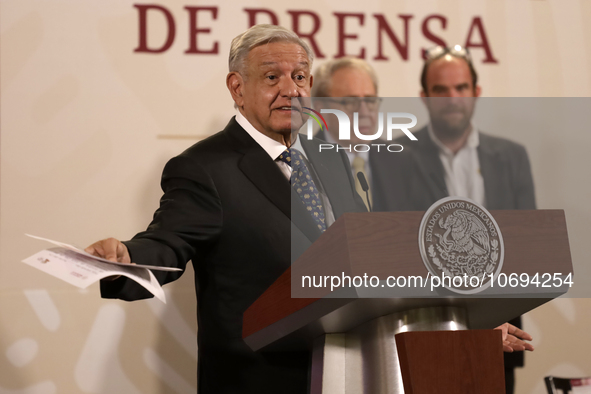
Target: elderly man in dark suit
(229, 208)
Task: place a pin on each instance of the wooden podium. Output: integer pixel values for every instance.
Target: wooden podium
(451, 361)
(351, 331)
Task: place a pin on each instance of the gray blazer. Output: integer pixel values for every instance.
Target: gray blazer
(413, 179)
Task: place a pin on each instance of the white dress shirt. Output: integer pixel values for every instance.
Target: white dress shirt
(462, 170)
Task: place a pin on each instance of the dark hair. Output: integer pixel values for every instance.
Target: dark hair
(429, 61)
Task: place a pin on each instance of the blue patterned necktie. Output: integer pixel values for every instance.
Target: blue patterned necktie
(302, 182)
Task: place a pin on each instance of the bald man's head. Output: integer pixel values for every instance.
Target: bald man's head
(449, 75)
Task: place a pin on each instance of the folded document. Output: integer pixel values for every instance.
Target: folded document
(81, 269)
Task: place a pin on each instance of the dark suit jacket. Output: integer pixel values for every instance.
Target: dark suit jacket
(226, 206)
(413, 180)
(380, 179)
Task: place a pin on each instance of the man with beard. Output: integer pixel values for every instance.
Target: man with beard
(451, 157)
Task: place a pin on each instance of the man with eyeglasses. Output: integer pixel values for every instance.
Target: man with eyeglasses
(451, 157)
(350, 85)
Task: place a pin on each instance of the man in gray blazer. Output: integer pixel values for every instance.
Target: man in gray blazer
(451, 157)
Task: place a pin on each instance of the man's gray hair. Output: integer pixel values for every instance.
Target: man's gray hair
(323, 76)
(260, 35)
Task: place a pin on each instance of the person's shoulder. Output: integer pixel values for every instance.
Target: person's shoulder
(500, 145)
(315, 141)
(214, 146)
(319, 150)
(422, 136)
(412, 148)
(207, 154)
(207, 148)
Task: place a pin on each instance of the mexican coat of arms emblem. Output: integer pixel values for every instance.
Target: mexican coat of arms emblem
(461, 243)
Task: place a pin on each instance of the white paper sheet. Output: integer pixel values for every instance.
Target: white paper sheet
(82, 271)
(83, 253)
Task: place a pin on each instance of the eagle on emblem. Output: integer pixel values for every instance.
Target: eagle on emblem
(468, 234)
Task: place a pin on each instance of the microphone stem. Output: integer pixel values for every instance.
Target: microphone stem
(368, 201)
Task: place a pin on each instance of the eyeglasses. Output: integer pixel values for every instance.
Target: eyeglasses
(354, 103)
(439, 51)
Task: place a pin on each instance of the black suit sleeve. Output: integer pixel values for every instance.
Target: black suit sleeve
(184, 227)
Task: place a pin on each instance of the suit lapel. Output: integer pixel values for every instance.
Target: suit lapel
(492, 173)
(259, 168)
(426, 157)
(264, 173)
(266, 176)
